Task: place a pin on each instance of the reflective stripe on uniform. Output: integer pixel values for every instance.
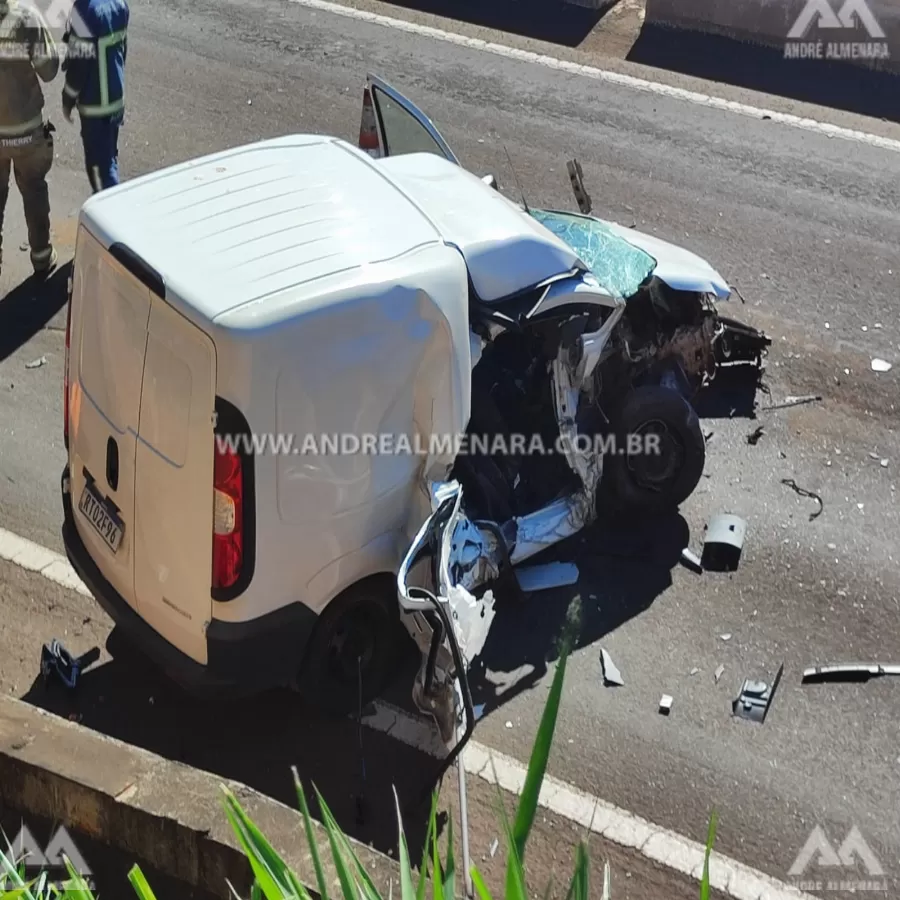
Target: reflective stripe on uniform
(23, 130)
(96, 180)
(97, 112)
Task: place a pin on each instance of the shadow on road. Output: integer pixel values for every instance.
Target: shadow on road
(256, 741)
(823, 82)
(622, 571)
(26, 309)
(544, 20)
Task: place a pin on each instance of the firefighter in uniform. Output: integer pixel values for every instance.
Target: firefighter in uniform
(27, 52)
(97, 40)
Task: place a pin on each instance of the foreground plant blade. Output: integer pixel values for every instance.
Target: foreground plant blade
(540, 754)
(710, 840)
(406, 885)
(579, 886)
(140, 884)
(277, 881)
(310, 836)
(479, 885)
(430, 839)
(368, 888)
(515, 872)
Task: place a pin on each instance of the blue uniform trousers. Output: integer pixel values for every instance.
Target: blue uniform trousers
(100, 138)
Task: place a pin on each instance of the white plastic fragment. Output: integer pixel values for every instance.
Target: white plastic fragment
(611, 674)
(881, 365)
(719, 672)
(665, 704)
(726, 636)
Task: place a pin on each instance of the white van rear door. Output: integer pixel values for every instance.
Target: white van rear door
(174, 490)
(393, 125)
(110, 313)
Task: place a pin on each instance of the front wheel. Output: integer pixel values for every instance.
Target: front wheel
(353, 650)
(659, 454)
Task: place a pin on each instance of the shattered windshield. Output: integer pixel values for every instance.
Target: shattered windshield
(620, 267)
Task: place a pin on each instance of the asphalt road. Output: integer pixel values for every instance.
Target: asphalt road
(807, 227)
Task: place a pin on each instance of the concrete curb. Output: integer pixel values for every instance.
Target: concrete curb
(163, 813)
(768, 22)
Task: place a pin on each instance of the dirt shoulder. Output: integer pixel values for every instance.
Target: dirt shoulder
(37, 610)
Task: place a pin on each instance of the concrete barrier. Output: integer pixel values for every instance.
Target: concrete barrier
(768, 23)
(157, 811)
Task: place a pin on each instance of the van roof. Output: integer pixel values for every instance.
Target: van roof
(236, 226)
(284, 214)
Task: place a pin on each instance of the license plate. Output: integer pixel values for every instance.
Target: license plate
(101, 519)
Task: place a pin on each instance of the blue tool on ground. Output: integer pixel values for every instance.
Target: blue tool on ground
(56, 660)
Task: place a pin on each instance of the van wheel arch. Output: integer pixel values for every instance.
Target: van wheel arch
(366, 609)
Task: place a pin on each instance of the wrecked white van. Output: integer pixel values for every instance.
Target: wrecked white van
(233, 316)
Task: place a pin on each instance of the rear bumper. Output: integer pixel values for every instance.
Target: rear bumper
(242, 657)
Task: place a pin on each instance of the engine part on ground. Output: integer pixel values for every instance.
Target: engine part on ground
(755, 699)
(724, 543)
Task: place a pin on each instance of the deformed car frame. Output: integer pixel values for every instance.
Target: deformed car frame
(616, 346)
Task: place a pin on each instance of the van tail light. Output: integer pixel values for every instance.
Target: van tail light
(66, 368)
(368, 128)
(228, 518)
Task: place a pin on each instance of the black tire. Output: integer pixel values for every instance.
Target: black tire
(654, 483)
(363, 624)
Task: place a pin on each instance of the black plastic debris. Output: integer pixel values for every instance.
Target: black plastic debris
(691, 561)
(803, 492)
(723, 544)
(851, 672)
(754, 436)
(755, 699)
(57, 662)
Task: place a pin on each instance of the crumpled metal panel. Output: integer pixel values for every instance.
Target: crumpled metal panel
(620, 267)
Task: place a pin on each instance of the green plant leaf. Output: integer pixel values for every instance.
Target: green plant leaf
(515, 872)
(710, 840)
(140, 884)
(449, 876)
(579, 886)
(310, 836)
(367, 886)
(540, 753)
(406, 885)
(277, 881)
(430, 839)
(479, 885)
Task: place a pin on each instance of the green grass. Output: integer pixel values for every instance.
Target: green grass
(274, 880)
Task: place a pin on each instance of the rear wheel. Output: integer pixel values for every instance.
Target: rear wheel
(660, 451)
(353, 650)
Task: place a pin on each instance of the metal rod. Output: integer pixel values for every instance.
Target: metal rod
(464, 823)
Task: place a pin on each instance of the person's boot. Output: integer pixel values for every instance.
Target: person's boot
(44, 265)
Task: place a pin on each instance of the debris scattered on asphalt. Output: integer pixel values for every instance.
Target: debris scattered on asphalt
(847, 672)
(805, 493)
(547, 576)
(665, 704)
(691, 560)
(494, 845)
(726, 636)
(611, 674)
(509, 724)
(36, 363)
(754, 436)
(576, 180)
(718, 673)
(694, 671)
(724, 543)
(884, 464)
(881, 365)
(57, 661)
(755, 699)
(796, 401)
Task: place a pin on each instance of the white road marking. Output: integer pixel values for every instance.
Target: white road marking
(668, 848)
(628, 81)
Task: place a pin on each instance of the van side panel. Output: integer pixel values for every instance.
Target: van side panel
(110, 313)
(174, 492)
